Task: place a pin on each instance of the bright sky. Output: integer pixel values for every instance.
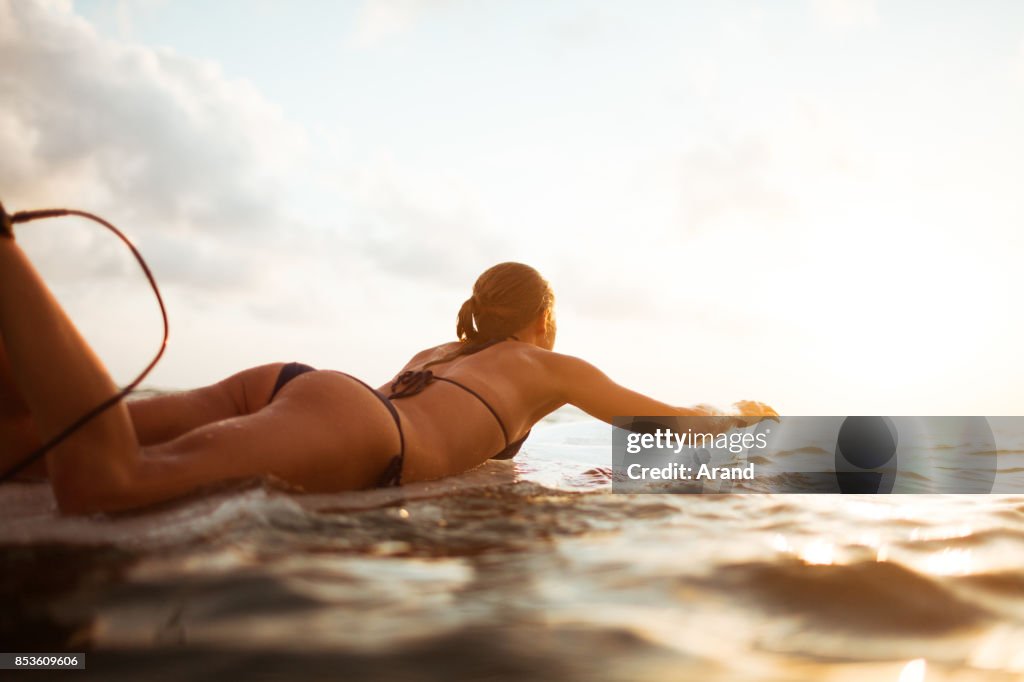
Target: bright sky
(813, 203)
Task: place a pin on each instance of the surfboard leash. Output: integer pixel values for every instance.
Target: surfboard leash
(7, 223)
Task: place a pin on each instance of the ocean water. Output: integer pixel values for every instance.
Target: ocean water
(529, 569)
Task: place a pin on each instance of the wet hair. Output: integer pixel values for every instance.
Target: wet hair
(506, 298)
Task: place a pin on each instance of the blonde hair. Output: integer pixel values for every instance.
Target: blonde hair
(506, 298)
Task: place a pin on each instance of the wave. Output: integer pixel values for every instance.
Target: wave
(868, 597)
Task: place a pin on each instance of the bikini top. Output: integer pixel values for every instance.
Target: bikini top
(411, 382)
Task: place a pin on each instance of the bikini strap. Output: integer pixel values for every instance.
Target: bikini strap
(479, 397)
(392, 475)
(287, 373)
(411, 383)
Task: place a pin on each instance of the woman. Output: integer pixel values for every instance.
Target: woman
(449, 409)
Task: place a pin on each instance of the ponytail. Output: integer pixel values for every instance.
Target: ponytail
(465, 329)
(506, 298)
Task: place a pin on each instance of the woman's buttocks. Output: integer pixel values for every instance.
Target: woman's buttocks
(351, 418)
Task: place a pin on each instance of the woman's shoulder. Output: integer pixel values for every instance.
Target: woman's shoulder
(553, 366)
(513, 351)
(437, 352)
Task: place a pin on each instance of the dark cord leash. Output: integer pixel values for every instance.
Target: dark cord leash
(7, 223)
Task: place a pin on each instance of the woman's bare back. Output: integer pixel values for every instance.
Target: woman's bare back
(448, 428)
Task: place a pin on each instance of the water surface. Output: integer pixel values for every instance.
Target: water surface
(525, 569)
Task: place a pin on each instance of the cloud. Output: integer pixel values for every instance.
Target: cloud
(127, 14)
(423, 226)
(196, 167)
(189, 159)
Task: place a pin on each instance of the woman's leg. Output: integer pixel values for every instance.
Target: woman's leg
(60, 378)
(325, 432)
(11, 402)
(18, 435)
(161, 418)
(156, 419)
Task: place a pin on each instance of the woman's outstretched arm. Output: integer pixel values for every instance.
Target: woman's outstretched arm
(588, 388)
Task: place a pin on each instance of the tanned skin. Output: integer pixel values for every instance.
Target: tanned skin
(323, 432)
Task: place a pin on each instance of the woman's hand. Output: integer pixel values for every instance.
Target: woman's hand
(752, 412)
